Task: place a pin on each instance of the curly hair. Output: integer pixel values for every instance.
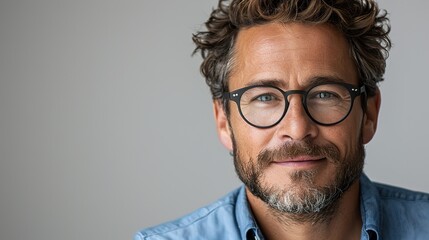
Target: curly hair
(363, 24)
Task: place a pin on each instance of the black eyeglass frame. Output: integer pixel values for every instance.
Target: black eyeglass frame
(352, 89)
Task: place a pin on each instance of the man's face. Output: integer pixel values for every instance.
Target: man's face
(296, 164)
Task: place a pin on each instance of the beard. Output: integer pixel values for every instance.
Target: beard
(303, 200)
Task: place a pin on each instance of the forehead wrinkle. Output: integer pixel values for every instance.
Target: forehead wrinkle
(266, 44)
(261, 48)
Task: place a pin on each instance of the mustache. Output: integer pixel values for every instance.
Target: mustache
(295, 149)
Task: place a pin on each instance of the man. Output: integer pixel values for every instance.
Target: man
(295, 94)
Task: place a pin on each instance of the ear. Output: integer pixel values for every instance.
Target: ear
(222, 125)
(371, 117)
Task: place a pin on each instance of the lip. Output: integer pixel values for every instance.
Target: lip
(300, 161)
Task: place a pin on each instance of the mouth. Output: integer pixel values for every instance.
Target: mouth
(300, 161)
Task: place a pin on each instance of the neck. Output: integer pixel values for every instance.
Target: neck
(343, 223)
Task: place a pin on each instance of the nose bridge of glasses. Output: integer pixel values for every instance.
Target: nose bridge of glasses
(300, 101)
(292, 92)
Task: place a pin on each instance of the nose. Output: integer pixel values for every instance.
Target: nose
(296, 124)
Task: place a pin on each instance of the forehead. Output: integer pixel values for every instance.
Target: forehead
(291, 52)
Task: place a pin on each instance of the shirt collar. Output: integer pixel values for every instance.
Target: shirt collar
(370, 209)
(246, 221)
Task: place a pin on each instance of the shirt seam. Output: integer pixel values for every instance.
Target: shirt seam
(387, 193)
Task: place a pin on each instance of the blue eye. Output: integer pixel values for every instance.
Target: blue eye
(265, 98)
(325, 95)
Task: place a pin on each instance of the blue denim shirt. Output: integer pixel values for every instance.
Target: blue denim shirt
(387, 213)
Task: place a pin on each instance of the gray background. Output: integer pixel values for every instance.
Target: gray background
(106, 125)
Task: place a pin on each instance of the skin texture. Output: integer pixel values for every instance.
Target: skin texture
(291, 56)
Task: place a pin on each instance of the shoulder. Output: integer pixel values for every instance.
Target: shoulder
(208, 222)
(388, 192)
(404, 211)
(397, 197)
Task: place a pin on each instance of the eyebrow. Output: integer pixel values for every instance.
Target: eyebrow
(267, 82)
(324, 79)
(316, 80)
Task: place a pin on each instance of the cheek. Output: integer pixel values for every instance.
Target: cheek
(250, 141)
(346, 137)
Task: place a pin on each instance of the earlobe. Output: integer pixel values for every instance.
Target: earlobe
(222, 125)
(371, 117)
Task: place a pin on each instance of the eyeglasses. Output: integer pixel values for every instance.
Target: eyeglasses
(265, 106)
